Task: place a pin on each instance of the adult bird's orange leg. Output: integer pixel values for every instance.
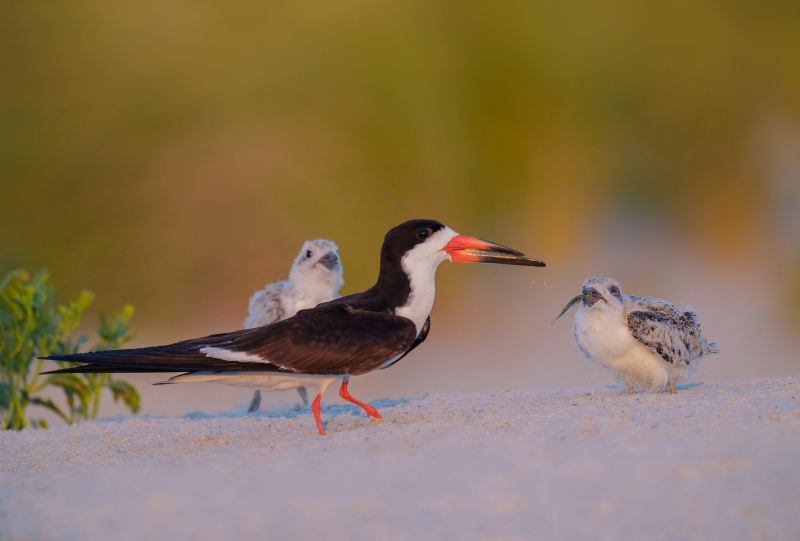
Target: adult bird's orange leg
(343, 392)
(316, 409)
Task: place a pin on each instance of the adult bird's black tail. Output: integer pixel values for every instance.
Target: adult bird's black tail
(179, 357)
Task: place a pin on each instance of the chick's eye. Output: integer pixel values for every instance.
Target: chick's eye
(423, 233)
(614, 290)
(308, 253)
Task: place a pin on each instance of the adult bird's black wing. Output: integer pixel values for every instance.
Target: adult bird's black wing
(423, 334)
(333, 338)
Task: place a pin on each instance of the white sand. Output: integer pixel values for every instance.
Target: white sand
(716, 461)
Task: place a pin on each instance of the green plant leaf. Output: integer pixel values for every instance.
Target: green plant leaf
(127, 392)
(72, 384)
(19, 276)
(31, 326)
(114, 333)
(5, 394)
(71, 313)
(49, 404)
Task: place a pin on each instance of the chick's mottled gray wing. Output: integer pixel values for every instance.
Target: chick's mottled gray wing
(265, 306)
(671, 333)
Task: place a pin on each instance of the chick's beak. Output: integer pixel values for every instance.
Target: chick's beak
(590, 296)
(464, 249)
(330, 260)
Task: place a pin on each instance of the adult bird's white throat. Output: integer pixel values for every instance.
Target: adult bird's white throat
(420, 264)
(331, 342)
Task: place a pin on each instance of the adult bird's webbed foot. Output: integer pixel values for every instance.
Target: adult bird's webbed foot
(344, 393)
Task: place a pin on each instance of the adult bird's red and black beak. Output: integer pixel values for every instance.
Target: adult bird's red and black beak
(464, 249)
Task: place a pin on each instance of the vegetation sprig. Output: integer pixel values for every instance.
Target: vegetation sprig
(33, 325)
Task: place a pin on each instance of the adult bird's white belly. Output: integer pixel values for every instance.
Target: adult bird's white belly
(276, 381)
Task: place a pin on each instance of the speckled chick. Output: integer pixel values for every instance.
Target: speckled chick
(315, 277)
(648, 343)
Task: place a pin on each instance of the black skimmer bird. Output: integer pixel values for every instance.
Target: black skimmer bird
(349, 336)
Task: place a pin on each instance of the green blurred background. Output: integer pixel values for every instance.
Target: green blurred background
(176, 155)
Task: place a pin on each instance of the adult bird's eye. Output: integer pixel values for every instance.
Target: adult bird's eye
(423, 233)
(614, 290)
(308, 253)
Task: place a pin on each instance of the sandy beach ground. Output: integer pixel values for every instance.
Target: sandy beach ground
(715, 461)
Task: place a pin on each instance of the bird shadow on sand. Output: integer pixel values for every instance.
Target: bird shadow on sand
(682, 387)
(331, 410)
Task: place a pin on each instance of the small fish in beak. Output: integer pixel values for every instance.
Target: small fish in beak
(568, 307)
(589, 296)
